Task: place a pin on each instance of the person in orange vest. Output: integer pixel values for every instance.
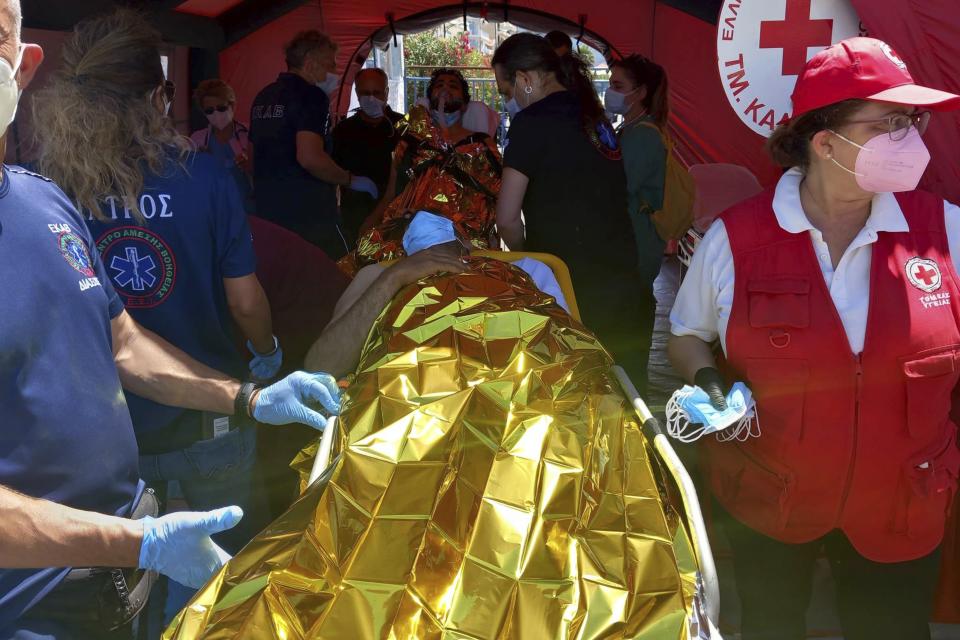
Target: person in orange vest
(836, 299)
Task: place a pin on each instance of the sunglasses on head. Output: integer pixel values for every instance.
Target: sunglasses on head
(219, 108)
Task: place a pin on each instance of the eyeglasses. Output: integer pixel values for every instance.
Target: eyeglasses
(899, 125)
(219, 108)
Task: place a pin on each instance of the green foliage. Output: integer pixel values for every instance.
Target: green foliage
(428, 50)
(586, 54)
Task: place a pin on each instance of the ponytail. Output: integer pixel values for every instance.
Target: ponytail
(575, 76)
(647, 73)
(530, 52)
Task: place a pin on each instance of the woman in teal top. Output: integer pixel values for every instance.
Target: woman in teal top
(638, 92)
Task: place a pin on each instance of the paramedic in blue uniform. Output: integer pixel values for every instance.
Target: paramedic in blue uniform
(174, 240)
(294, 177)
(68, 455)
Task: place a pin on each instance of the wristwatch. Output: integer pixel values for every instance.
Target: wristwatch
(241, 404)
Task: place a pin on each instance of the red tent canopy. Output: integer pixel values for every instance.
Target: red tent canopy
(680, 34)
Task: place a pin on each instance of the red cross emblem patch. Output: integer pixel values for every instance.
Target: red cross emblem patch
(924, 274)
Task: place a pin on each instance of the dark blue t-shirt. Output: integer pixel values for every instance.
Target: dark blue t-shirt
(65, 432)
(285, 192)
(169, 268)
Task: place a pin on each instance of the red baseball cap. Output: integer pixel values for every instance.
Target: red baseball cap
(864, 68)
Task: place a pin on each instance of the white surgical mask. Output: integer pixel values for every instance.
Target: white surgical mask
(9, 91)
(330, 83)
(220, 120)
(513, 108)
(616, 102)
(372, 106)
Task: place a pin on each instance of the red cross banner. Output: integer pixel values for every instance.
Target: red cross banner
(762, 47)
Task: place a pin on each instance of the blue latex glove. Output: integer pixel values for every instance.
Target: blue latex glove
(264, 366)
(287, 401)
(366, 185)
(178, 545)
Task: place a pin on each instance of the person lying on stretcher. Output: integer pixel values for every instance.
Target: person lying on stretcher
(488, 480)
(433, 246)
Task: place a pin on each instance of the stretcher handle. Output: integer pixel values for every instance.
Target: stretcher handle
(322, 461)
(697, 526)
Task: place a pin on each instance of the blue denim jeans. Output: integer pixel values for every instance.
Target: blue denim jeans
(211, 474)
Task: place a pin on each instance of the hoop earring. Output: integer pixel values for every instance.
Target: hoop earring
(528, 89)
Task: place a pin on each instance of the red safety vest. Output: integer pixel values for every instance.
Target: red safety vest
(860, 443)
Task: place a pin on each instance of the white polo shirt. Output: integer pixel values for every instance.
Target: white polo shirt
(703, 304)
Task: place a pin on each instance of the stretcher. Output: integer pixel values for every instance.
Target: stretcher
(708, 601)
(493, 474)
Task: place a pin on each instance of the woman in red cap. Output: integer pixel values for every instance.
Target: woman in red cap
(835, 297)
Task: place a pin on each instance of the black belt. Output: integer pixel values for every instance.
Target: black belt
(102, 597)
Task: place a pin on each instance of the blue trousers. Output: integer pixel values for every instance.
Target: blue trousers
(211, 474)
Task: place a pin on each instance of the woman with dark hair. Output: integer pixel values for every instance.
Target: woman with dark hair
(439, 166)
(638, 92)
(563, 169)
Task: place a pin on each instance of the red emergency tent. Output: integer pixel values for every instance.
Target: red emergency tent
(241, 40)
(680, 34)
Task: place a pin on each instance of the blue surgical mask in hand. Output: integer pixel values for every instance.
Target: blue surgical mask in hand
(690, 415)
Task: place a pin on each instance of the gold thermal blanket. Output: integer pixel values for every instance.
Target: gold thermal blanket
(490, 481)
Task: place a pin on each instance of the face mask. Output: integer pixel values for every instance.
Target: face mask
(220, 120)
(889, 166)
(616, 102)
(330, 83)
(446, 119)
(372, 106)
(690, 416)
(513, 108)
(9, 91)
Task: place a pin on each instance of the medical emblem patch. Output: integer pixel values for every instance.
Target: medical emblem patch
(923, 274)
(75, 252)
(141, 266)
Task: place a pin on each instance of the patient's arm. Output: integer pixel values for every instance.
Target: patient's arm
(376, 216)
(337, 350)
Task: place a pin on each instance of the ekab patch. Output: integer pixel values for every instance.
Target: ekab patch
(141, 266)
(74, 251)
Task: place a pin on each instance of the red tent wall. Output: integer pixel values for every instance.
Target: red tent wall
(926, 34)
(705, 127)
(254, 62)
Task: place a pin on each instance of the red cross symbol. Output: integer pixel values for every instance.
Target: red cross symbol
(794, 34)
(929, 276)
